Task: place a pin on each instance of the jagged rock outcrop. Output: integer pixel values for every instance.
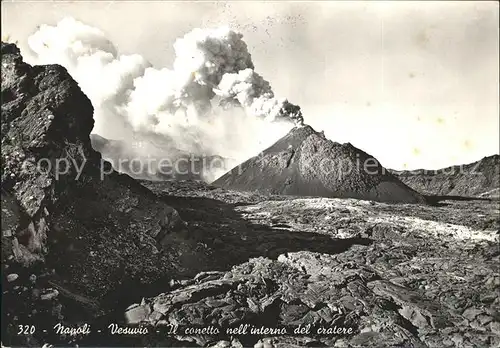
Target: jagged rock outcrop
(68, 219)
(477, 179)
(305, 163)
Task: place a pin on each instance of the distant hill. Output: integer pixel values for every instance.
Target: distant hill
(477, 179)
(157, 161)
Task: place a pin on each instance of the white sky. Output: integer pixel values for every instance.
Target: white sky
(416, 84)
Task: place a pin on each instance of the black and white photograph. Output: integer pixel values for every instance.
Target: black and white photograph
(263, 174)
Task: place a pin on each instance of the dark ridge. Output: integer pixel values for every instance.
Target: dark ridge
(480, 179)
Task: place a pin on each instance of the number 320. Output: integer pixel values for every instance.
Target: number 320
(26, 329)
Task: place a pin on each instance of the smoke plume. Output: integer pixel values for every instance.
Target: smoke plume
(212, 102)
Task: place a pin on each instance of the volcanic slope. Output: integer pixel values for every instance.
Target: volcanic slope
(306, 163)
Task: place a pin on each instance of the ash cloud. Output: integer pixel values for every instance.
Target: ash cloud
(212, 102)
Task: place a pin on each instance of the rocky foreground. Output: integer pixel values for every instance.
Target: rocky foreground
(399, 275)
(85, 248)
